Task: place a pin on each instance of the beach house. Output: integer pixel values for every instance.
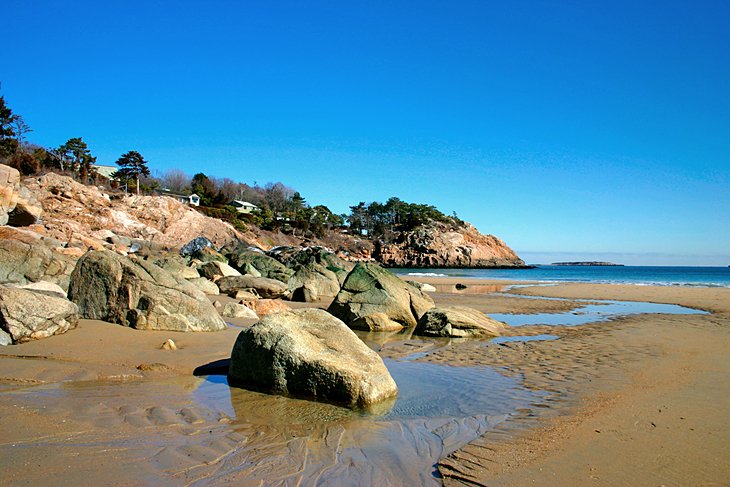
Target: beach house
(244, 206)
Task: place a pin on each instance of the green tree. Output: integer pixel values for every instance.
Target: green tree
(77, 153)
(131, 166)
(8, 143)
(204, 188)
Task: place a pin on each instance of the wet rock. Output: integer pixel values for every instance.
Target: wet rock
(460, 286)
(168, 345)
(30, 315)
(458, 321)
(235, 310)
(312, 281)
(370, 289)
(266, 288)
(208, 287)
(243, 259)
(310, 353)
(136, 293)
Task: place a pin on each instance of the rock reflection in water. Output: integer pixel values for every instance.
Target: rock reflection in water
(439, 409)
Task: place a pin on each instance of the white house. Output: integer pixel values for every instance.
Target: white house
(244, 206)
(188, 199)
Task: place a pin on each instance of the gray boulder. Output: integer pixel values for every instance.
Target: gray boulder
(137, 293)
(458, 321)
(242, 259)
(313, 281)
(371, 289)
(195, 245)
(266, 288)
(208, 287)
(26, 257)
(310, 353)
(29, 315)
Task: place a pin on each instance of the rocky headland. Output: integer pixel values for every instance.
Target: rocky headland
(446, 245)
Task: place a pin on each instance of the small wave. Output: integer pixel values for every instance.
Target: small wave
(426, 274)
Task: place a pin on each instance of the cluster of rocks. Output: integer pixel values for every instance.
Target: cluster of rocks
(127, 272)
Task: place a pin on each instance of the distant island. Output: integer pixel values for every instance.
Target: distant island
(588, 263)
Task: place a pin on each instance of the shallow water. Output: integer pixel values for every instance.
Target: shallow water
(439, 409)
(591, 313)
(520, 338)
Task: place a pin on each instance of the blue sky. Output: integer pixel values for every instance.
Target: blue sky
(571, 129)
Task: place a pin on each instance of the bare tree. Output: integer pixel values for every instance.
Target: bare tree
(21, 128)
(175, 180)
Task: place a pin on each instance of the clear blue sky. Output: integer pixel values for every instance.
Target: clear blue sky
(571, 129)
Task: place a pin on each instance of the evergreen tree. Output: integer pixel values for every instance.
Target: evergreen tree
(77, 152)
(8, 144)
(131, 166)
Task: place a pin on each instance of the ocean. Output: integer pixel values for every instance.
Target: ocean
(639, 275)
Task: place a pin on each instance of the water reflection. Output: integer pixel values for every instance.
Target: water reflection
(590, 313)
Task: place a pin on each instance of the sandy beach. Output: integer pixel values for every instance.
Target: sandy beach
(638, 400)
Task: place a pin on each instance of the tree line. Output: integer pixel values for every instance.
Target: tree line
(280, 207)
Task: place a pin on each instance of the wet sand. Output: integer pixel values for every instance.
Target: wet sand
(636, 401)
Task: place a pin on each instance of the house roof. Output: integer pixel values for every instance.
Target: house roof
(244, 203)
(105, 171)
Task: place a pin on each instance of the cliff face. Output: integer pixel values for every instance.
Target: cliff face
(84, 216)
(440, 245)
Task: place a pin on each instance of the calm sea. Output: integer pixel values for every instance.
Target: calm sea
(640, 275)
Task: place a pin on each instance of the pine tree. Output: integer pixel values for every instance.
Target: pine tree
(131, 165)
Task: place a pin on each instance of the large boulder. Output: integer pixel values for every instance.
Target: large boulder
(312, 281)
(27, 257)
(310, 353)
(266, 288)
(137, 293)
(29, 315)
(458, 322)
(245, 259)
(371, 289)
